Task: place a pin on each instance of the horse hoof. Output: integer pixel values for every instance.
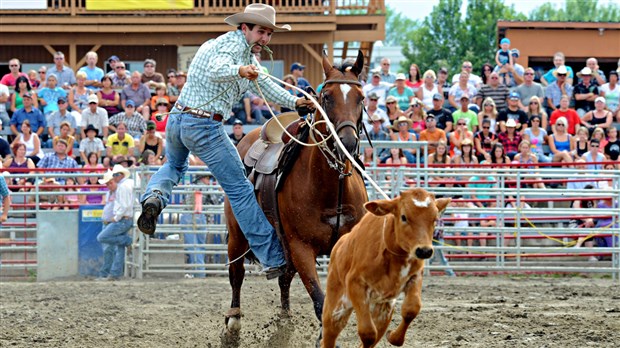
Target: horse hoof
(285, 314)
(233, 325)
(229, 339)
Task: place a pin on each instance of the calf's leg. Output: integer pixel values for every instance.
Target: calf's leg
(336, 311)
(365, 326)
(410, 309)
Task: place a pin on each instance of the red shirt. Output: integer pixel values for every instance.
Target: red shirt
(9, 80)
(160, 126)
(572, 117)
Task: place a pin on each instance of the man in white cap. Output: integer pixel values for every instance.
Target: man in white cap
(222, 70)
(117, 220)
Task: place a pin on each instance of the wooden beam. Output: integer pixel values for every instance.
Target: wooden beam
(50, 49)
(83, 59)
(330, 50)
(73, 57)
(313, 53)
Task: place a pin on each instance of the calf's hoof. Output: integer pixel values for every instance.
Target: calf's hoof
(394, 340)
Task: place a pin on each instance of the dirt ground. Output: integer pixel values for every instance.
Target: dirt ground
(457, 312)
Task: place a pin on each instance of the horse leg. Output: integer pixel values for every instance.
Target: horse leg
(237, 245)
(410, 309)
(304, 261)
(285, 285)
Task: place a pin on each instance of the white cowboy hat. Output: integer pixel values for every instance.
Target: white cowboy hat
(585, 71)
(259, 14)
(122, 170)
(560, 70)
(401, 119)
(106, 177)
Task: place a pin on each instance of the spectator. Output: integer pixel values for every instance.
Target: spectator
(10, 79)
(594, 155)
(64, 75)
(560, 142)
(19, 159)
(161, 121)
(112, 62)
(417, 115)
(582, 204)
(498, 155)
(70, 200)
(42, 76)
(461, 219)
(92, 195)
(261, 109)
(91, 144)
(485, 72)
(488, 112)
(599, 117)
(28, 112)
(494, 90)
(401, 126)
(160, 93)
(138, 93)
(432, 134)
(484, 141)
(585, 92)
(372, 109)
(48, 96)
(117, 219)
(581, 142)
(460, 134)
(96, 116)
(570, 115)
(611, 92)
(288, 80)
(150, 141)
(612, 149)
(65, 134)
(443, 116)
(401, 92)
(558, 89)
(237, 133)
(552, 75)
(480, 186)
(378, 133)
(297, 70)
(78, 94)
(428, 89)
(609, 204)
(6, 200)
(120, 79)
(150, 77)
(33, 79)
(22, 87)
(392, 109)
(529, 89)
(598, 76)
(535, 108)
(149, 158)
(443, 85)
(4, 98)
(109, 99)
(470, 117)
(526, 157)
(172, 91)
(512, 112)
(136, 125)
(458, 90)
(120, 143)
(502, 59)
(537, 136)
(473, 80)
(60, 116)
(440, 156)
(515, 71)
(396, 157)
(181, 79)
(241, 110)
(599, 134)
(125, 161)
(510, 138)
(93, 73)
(467, 155)
(386, 75)
(414, 79)
(58, 159)
(378, 88)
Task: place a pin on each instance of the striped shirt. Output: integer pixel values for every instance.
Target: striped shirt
(213, 77)
(499, 95)
(136, 125)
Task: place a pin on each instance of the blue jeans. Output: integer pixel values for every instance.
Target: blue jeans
(208, 140)
(114, 238)
(442, 258)
(195, 238)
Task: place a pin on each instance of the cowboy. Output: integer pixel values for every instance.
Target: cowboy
(221, 71)
(117, 220)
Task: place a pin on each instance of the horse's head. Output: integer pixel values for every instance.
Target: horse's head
(343, 101)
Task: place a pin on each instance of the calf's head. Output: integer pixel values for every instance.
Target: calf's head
(415, 213)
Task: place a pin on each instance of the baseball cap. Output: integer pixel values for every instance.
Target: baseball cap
(297, 66)
(62, 141)
(465, 96)
(150, 125)
(443, 70)
(514, 95)
(27, 95)
(400, 76)
(150, 61)
(511, 123)
(437, 96)
(515, 52)
(62, 99)
(600, 99)
(93, 99)
(505, 41)
(376, 73)
(237, 122)
(130, 102)
(115, 58)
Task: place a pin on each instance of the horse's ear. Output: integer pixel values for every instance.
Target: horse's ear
(358, 67)
(327, 67)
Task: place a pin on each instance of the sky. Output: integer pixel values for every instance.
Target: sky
(418, 9)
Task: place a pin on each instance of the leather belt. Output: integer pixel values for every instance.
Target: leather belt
(199, 113)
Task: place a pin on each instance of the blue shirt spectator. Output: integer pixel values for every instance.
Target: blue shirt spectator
(92, 74)
(36, 118)
(49, 95)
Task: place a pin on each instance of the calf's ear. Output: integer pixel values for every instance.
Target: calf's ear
(442, 204)
(380, 207)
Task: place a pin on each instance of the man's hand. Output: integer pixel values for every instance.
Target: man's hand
(304, 106)
(249, 72)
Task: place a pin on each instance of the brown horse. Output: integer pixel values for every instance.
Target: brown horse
(308, 198)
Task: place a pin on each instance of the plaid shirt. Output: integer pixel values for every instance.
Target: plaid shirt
(4, 190)
(51, 160)
(214, 72)
(136, 125)
(510, 145)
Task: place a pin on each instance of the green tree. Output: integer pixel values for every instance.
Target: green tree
(395, 25)
(577, 11)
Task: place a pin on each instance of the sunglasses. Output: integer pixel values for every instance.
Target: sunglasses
(486, 127)
(534, 103)
(462, 124)
(13, 65)
(592, 145)
(42, 72)
(494, 78)
(561, 125)
(529, 74)
(129, 106)
(119, 67)
(58, 58)
(467, 66)
(171, 76)
(388, 103)
(562, 75)
(430, 120)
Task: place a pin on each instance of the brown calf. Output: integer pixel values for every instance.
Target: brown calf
(381, 257)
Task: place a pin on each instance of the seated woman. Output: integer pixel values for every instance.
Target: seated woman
(600, 117)
(537, 136)
(466, 159)
(151, 141)
(93, 196)
(581, 142)
(32, 142)
(526, 157)
(440, 156)
(19, 164)
(401, 127)
(560, 142)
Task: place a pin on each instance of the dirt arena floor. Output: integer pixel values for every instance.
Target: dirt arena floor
(457, 312)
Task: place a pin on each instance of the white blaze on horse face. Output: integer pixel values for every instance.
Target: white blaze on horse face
(422, 204)
(345, 90)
